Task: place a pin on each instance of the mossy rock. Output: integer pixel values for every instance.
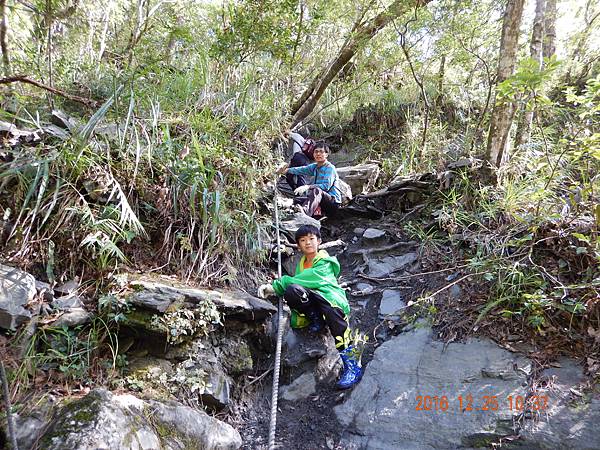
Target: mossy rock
(142, 320)
(236, 357)
(106, 420)
(75, 415)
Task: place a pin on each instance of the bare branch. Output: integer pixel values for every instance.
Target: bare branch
(25, 79)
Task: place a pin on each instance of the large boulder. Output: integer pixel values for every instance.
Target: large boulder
(17, 288)
(159, 296)
(400, 401)
(102, 420)
(360, 178)
(571, 417)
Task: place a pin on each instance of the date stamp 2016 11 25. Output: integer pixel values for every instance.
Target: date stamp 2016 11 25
(468, 403)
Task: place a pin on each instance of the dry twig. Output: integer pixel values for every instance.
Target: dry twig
(27, 80)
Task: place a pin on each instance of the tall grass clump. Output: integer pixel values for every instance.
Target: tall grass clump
(165, 176)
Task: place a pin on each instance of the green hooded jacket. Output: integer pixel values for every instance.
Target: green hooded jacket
(321, 277)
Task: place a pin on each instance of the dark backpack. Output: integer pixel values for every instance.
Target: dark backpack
(309, 148)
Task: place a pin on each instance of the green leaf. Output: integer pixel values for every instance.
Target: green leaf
(488, 276)
(581, 237)
(86, 132)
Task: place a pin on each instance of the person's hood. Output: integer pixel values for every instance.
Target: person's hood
(322, 255)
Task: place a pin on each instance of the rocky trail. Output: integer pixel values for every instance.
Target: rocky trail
(419, 391)
(145, 147)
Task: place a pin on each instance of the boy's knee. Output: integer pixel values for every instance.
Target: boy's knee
(295, 294)
(294, 290)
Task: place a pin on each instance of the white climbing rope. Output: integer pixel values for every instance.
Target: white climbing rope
(9, 418)
(276, 368)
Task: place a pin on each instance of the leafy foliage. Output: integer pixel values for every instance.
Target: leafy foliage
(258, 26)
(182, 323)
(166, 175)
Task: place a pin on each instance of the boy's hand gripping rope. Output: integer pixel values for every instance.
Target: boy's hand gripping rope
(275, 392)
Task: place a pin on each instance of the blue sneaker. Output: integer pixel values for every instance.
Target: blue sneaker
(317, 323)
(352, 370)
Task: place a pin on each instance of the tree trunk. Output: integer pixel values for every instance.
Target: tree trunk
(361, 34)
(3, 38)
(49, 20)
(503, 113)
(106, 21)
(535, 51)
(141, 20)
(549, 44)
(440, 77)
(172, 39)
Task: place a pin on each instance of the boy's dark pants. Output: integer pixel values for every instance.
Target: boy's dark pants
(303, 300)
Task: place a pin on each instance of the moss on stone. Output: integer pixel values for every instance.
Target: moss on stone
(74, 416)
(139, 318)
(167, 431)
(480, 440)
(164, 430)
(235, 356)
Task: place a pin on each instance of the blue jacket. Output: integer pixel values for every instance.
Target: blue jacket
(325, 177)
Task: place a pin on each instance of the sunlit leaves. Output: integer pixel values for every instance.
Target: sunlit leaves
(254, 26)
(528, 79)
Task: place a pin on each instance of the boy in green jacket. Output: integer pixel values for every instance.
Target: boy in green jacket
(314, 292)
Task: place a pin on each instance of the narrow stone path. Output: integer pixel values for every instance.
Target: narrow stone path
(418, 392)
